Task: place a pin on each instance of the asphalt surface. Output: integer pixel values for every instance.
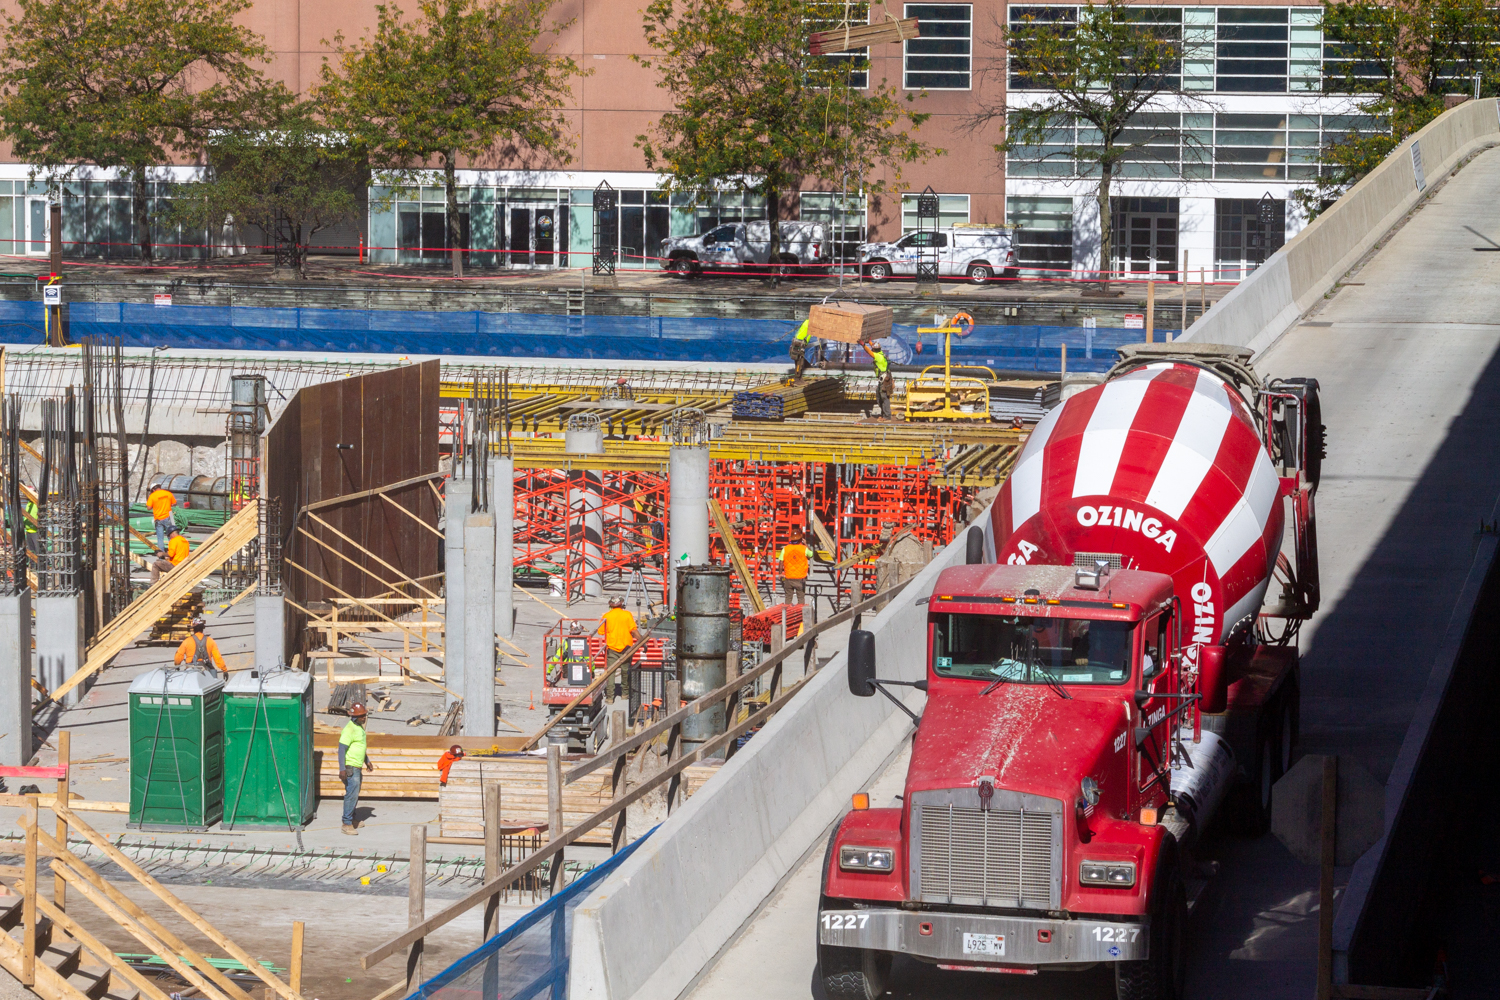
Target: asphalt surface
(1406, 355)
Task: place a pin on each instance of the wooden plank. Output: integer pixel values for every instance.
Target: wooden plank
(49, 985)
(103, 954)
(179, 947)
(747, 579)
(853, 37)
(28, 905)
(187, 913)
(294, 966)
(319, 505)
(232, 536)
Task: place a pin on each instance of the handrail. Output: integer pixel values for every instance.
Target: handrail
(671, 772)
(719, 694)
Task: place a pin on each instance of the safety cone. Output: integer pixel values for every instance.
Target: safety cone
(532, 707)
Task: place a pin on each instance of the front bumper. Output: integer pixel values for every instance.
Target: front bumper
(1026, 940)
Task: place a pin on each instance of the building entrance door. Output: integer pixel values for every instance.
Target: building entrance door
(1145, 237)
(532, 239)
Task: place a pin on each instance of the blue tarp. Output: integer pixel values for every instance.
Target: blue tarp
(529, 959)
(528, 335)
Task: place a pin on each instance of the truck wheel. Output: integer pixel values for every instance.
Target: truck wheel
(1160, 976)
(853, 973)
(980, 274)
(786, 267)
(682, 267)
(878, 271)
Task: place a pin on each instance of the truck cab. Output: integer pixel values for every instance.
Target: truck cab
(1034, 818)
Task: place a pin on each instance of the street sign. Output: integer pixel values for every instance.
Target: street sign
(1135, 321)
(162, 300)
(52, 295)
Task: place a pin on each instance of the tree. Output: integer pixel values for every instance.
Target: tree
(124, 83)
(754, 111)
(292, 177)
(1396, 60)
(458, 81)
(1100, 90)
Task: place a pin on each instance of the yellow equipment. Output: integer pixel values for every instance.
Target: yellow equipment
(948, 397)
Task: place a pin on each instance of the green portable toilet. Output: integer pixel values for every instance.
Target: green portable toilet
(176, 750)
(268, 750)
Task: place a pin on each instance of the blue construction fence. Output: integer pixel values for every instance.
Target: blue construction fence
(530, 335)
(530, 958)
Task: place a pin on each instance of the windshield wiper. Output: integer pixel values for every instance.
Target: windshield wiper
(1053, 682)
(999, 680)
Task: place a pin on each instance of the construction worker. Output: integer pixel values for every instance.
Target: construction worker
(176, 551)
(354, 760)
(32, 518)
(161, 563)
(445, 762)
(620, 633)
(887, 385)
(794, 564)
(161, 502)
(199, 650)
(801, 341)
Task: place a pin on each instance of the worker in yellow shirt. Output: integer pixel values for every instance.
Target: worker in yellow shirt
(886, 387)
(620, 633)
(794, 566)
(801, 341)
(161, 503)
(199, 650)
(354, 760)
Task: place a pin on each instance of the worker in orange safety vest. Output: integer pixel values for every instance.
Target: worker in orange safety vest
(794, 566)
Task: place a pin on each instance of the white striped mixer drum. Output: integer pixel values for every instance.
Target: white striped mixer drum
(1164, 467)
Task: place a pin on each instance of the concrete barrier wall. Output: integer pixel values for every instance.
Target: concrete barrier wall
(659, 920)
(1263, 306)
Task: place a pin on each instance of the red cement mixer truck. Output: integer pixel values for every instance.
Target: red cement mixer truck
(1106, 675)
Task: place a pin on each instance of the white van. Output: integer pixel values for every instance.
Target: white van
(980, 253)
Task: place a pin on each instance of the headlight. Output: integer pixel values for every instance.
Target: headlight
(866, 859)
(1116, 874)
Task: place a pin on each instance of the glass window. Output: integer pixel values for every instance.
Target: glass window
(1023, 650)
(942, 59)
(952, 210)
(828, 15)
(1044, 232)
(1020, 18)
(1252, 50)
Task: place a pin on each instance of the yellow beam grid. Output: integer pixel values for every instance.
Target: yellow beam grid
(634, 407)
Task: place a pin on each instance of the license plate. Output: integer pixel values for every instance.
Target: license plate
(985, 944)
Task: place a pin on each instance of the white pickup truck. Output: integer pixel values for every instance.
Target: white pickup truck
(978, 253)
(745, 246)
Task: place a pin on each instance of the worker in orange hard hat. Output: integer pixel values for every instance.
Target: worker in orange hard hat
(446, 761)
(354, 759)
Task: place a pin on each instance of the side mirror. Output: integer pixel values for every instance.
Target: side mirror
(862, 663)
(1213, 685)
(974, 546)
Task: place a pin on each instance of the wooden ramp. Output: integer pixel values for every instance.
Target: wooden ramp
(235, 534)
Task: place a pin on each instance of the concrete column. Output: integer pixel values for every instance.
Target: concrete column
(270, 631)
(687, 525)
(479, 625)
(456, 511)
(503, 506)
(59, 642)
(15, 679)
(586, 503)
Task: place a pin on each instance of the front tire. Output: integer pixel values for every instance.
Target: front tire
(878, 271)
(853, 973)
(1160, 977)
(682, 267)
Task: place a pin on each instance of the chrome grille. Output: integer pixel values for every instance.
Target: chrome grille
(1006, 856)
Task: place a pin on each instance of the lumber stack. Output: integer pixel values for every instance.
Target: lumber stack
(777, 400)
(523, 794)
(850, 322)
(853, 37)
(405, 766)
(176, 624)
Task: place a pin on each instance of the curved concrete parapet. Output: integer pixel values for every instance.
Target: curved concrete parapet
(1264, 305)
(650, 928)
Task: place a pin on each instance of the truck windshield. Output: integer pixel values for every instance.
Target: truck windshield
(1026, 650)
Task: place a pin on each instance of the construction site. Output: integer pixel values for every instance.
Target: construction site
(431, 547)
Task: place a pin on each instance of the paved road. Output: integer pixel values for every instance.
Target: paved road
(1410, 376)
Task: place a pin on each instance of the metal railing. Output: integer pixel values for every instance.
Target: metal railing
(617, 755)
